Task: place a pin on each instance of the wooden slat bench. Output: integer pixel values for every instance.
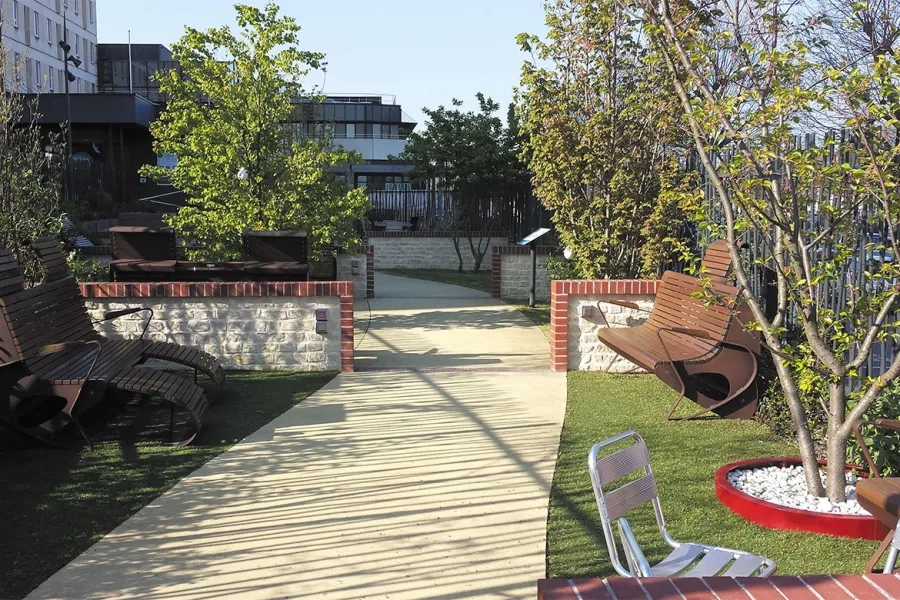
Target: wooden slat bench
(806, 587)
(685, 342)
(50, 252)
(717, 263)
(84, 367)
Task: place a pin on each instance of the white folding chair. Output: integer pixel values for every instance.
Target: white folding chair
(685, 560)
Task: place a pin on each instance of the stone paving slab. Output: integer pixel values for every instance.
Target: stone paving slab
(423, 482)
(381, 485)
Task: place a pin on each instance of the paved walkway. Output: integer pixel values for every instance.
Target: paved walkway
(421, 484)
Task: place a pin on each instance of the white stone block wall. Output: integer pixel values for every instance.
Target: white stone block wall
(267, 333)
(585, 350)
(515, 277)
(428, 252)
(345, 272)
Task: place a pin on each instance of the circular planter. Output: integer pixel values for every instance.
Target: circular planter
(775, 516)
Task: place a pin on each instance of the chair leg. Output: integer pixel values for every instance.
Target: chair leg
(885, 544)
(737, 366)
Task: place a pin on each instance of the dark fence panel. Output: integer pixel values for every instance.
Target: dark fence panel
(833, 293)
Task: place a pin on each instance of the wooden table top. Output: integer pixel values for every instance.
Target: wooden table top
(881, 497)
(806, 587)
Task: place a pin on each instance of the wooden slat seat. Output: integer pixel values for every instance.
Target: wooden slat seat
(147, 349)
(87, 364)
(685, 340)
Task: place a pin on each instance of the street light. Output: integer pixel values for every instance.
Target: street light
(70, 78)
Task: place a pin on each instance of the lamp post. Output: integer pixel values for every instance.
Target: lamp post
(70, 78)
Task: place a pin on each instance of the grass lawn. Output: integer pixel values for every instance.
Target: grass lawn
(539, 315)
(480, 281)
(57, 503)
(684, 457)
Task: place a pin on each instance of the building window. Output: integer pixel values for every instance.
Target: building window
(91, 10)
(37, 24)
(17, 62)
(93, 88)
(93, 54)
(50, 77)
(39, 71)
(49, 32)
(351, 131)
(16, 14)
(77, 43)
(76, 7)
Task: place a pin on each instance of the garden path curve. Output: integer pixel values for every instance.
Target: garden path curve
(424, 476)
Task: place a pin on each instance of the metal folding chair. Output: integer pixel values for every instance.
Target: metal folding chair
(686, 559)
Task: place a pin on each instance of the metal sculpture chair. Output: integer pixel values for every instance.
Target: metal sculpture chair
(686, 559)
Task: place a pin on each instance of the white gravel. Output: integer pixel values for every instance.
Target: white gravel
(786, 486)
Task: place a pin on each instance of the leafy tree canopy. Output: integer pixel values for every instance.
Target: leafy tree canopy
(229, 110)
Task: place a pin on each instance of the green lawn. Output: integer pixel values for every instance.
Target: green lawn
(56, 503)
(480, 281)
(539, 315)
(684, 456)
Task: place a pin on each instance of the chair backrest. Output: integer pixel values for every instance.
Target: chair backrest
(52, 257)
(140, 219)
(676, 306)
(11, 280)
(717, 263)
(615, 502)
(276, 246)
(49, 313)
(142, 243)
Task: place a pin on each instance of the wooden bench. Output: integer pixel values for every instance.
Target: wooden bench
(700, 351)
(52, 257)
(717, 264)
(80, 365)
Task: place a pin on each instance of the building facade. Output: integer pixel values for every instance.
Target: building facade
(31, 30)
(374, 126)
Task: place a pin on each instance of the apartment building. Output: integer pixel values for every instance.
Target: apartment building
(31, 30)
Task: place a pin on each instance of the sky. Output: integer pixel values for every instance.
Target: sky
(424, 52)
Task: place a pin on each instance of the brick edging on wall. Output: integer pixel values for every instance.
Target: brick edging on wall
(559, 308)
(271, 289)
(438, 234)
(369, 251)
(497, 261)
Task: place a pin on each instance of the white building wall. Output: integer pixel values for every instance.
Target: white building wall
(36, 40)
(373, 148)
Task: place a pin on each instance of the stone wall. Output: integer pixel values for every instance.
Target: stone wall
(252, 326)
(573, 332)
(364, 280)
(427, 249)
(511, 273)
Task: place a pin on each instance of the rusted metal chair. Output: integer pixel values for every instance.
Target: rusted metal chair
(686, 559)
(881, 497)
(689, 343)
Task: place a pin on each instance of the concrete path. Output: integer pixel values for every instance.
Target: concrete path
(420, 484)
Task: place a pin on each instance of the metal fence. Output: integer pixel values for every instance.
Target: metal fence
(834, 292)
(517, 213)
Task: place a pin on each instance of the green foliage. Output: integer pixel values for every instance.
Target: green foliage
(472, 155)
(562, 269)
(751, 78)
(229, 109)
(85, 269)
(595, 114)
(883, 444)
(31, 175)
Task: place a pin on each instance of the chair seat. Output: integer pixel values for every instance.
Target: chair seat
(642, 346)
(698, 560)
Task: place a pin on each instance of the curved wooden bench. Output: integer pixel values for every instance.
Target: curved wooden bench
(684, 341)
(52, 258)
(80, 365)
(717, 263)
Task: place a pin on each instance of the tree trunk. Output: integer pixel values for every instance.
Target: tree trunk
(458, 253)
(804, 437)
(835, 481)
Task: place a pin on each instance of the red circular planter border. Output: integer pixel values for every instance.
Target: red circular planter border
(775, 516)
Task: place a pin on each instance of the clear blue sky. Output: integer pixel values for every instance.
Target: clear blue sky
(425, 52)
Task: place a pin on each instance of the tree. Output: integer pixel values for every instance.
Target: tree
(229, 109)
(599, 138)
(749, 76)
(31, 174)
(472, 155)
